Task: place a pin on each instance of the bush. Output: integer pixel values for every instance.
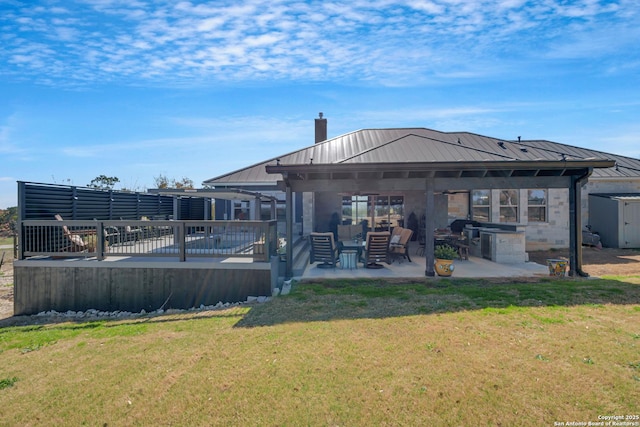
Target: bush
(445, 252)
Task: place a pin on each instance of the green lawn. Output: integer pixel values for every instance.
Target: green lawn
(6, 241)
(449, 352)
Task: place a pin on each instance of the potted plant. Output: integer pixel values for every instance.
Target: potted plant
(444, 254)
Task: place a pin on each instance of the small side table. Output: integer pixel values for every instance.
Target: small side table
(349, 259)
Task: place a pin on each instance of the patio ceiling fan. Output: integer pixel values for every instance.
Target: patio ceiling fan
(447, 192)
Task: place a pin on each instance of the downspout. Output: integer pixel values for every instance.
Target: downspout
(575, 224)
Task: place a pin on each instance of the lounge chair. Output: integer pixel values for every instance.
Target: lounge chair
(131, 234)
(400, 247)
(323, 249)
(75, 238)
(376, 249)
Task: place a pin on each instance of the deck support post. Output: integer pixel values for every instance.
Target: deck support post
(289, 221)
(429, 224)
(575, 224)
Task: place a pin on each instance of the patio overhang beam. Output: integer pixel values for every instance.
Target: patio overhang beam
(415, 184)
(438, 169)
(447, 176)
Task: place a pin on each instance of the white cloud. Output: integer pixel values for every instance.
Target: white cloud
(377, 41)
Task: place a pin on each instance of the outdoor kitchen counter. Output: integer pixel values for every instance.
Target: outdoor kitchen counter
(497, 244)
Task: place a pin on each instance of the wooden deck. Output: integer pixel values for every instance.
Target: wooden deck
(133, 284)
(148, 265)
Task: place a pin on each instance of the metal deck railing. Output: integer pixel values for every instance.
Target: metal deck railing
(178, 239)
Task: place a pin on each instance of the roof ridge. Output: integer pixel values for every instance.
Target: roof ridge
(428, 138)
(372, 148)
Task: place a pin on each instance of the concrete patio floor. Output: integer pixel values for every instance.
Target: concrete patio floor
(473, 267)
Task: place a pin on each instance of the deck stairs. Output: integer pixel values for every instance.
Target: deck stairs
(301, 250)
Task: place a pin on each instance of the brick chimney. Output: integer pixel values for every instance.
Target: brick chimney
(321, 129)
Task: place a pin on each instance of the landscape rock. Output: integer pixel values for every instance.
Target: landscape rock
(92, 312)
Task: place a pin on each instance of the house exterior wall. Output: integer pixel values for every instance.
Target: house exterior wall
(458, 206)
(551, 234)
(414, 201)
(307, 212)
(325, 205)
(554, 233)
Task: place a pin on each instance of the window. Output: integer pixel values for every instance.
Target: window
(354, 209)
(380, 212)
(537, 209)
(508, 205)
(481, 205)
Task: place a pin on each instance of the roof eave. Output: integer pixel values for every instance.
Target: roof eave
(435, 166)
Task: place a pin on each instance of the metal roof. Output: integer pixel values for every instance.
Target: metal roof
(626, 197)
(421, 147)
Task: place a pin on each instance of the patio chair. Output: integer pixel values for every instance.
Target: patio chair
(132, 234)
(376, 249)
(396, 234)
(400, 249)
(76, 242)
(323, 249)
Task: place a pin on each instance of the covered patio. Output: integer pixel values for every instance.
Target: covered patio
(383, 161)
(474, 267)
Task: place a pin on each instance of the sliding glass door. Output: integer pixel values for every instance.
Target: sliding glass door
(382, 212)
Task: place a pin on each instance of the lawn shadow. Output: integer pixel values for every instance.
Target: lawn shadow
(344, 299)
(330, 300)
(591, 256)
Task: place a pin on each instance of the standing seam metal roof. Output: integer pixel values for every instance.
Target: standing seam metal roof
(420, 145)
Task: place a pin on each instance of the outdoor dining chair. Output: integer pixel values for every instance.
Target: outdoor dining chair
(323, 249)
(376, 249)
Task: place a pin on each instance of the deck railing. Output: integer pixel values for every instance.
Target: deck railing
(127, 238)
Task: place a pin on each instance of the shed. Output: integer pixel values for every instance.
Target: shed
(616, 217)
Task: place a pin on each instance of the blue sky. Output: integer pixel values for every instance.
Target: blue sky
(195, 89)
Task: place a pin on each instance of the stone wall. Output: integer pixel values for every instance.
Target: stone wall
(554, 233)
(509, 248)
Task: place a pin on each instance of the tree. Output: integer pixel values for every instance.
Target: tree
(103, 182)
(8, 219)
(163, 182)
(184, 183)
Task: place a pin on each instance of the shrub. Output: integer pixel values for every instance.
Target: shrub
(445, 252)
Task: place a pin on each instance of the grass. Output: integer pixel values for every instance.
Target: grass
(456, 352)
(6, 241)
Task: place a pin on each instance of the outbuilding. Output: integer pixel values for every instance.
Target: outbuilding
(616, 217)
